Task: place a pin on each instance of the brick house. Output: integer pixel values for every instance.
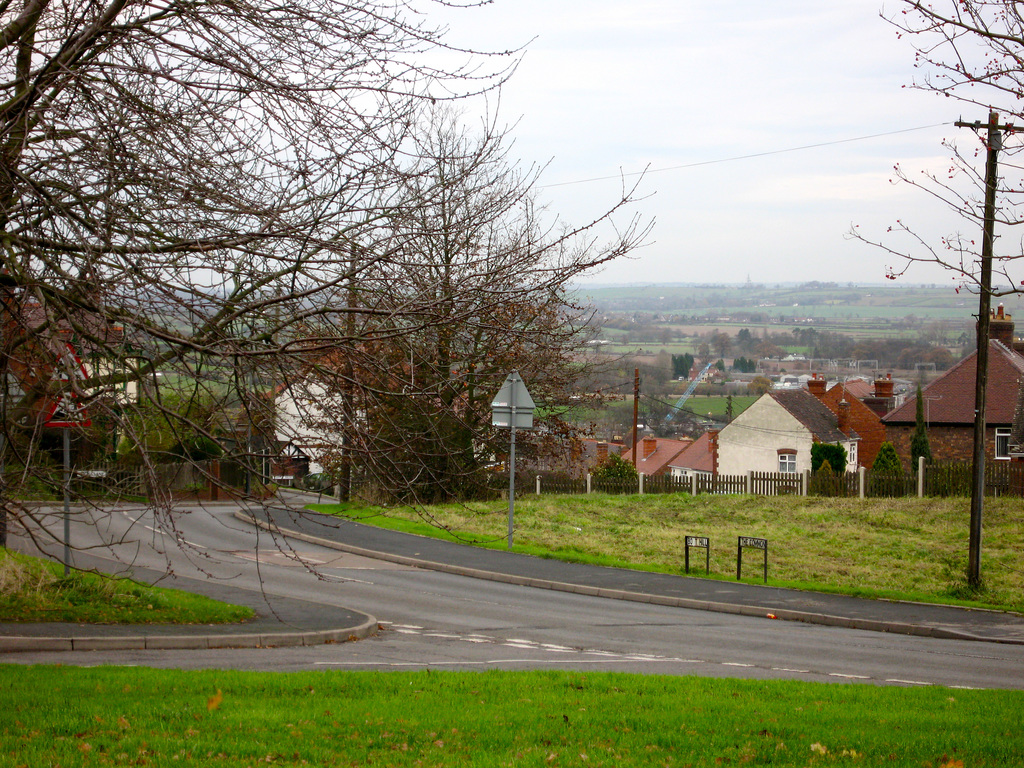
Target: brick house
(858, 416)
(949, 402)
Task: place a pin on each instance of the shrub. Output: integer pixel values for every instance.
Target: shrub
(834, 454)
(614, 468)
(887, 460)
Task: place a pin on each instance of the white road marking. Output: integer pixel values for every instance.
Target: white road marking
(604, 657)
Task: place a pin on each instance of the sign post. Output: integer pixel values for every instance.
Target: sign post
(700, 542)
(753, 543)
(65, 413)
(512, 407)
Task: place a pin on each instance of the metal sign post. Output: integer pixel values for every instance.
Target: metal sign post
(512, 407)
(64, 413)
(67, 500)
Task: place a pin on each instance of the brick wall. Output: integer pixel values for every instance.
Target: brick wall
(946, 443)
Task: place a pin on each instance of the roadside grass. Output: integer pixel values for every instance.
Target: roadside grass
(33, 590)
(116, 716)
(905, 548)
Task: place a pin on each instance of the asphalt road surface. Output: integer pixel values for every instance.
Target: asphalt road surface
(431, 620)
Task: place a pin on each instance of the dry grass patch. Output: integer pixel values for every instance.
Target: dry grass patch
(905, 548)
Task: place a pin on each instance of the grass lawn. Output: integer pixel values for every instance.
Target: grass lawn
(907, 548)
(37, 590)
(117, 716)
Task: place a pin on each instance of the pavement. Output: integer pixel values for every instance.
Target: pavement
(284, 621)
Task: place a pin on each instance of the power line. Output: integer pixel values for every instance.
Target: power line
(744, 157)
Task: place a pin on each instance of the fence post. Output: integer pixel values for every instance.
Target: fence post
(588, 483)
(861, 478)
(920, 477)
(640, 483)
(538, 485)
(693, 483)
(749, 481)
(805, 483)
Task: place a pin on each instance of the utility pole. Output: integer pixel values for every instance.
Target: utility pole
(994, 143)
(636, 408)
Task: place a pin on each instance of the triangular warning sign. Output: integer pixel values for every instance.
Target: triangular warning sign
(65, 411)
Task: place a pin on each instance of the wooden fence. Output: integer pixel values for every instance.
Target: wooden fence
(941, 479)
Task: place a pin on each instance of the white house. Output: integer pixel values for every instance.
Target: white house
(776, 433)
(306, 422)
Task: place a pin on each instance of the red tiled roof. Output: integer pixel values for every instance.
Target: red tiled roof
(950, 398)
(665, 450)
(858, 388)
(697, 455)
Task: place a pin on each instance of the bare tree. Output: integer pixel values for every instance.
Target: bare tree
(477, 286)
(181, 184)
(971, 52)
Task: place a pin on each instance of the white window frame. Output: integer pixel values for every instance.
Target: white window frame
(1003, 439)
(787, 462)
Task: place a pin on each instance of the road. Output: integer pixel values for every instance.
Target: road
(442, 621)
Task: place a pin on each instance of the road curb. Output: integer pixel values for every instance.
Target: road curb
(14, 644)
(765, 612)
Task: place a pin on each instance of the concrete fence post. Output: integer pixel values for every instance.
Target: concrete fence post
(861, 481)
(920, 477)
(749, 481)
(588, 483)
(805, 483)
(538, 485)
(693, 484)
(640, 483)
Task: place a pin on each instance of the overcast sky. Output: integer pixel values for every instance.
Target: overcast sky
(608, 86)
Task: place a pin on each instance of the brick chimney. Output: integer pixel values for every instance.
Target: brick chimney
(816, 385)
(883, 387)
(650, 445)
(1001, 327)
(713, 448)
(843, 416)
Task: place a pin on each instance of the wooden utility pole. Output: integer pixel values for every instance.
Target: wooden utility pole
(636, 408)
(994, 143)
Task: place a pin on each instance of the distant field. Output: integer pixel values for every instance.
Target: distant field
(715, 405)
(844, 302)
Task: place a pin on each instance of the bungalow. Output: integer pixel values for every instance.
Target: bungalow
(776, 432)
(696, 459)
(654, 454)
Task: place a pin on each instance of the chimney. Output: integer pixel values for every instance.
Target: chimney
(713, 448)
(884, 387)
(650, 446)
(602, 452)
(843, 416)
(816, 385)
(1001, 327)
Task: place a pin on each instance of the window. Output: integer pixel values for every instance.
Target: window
(1002, 442)
(851, 455)
(787, 461)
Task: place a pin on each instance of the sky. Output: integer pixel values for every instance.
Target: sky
(709, 97)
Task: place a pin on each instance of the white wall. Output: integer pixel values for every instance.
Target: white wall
(751, 442)
(303, 415)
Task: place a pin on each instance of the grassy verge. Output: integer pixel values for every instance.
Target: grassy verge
(908, 549)
(37, 590)
(157, 717)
